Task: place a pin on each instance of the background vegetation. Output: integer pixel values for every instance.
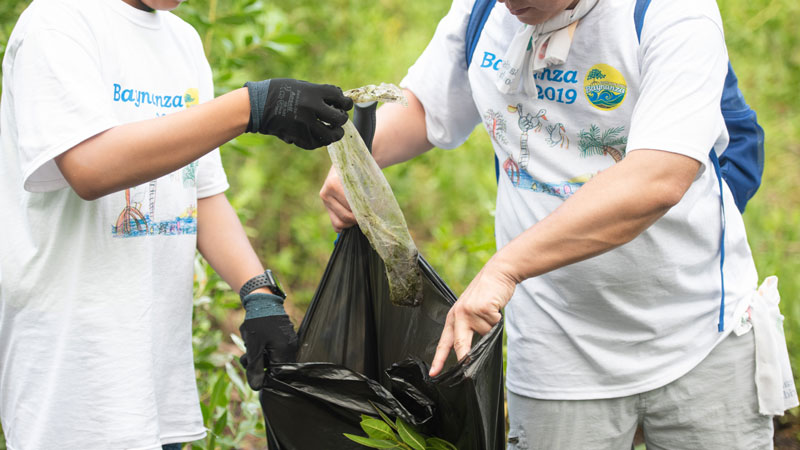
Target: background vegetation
(275, 187)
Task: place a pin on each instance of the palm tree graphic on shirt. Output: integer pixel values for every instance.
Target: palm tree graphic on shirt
(595, 143)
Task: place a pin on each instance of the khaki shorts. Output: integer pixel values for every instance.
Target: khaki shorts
(714, 406)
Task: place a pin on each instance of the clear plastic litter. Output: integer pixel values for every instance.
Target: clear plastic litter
(373, 203)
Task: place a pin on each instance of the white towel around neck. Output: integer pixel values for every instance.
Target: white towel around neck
(535, 47)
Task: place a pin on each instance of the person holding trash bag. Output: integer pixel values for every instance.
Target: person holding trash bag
(110, 181)
(609, 223)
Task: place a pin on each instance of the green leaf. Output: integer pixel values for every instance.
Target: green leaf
(371, 443)
(377, 429)
(219, 426)
(409, 435)
(218, 396)
(383, 416)
(435, 443)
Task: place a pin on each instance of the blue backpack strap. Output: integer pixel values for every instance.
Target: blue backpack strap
(638, 16)
(732, 97)
(477, 19)
(718, 170)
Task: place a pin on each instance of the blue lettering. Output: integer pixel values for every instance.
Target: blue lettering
(491, 60)
(571, 76)
(139, 98)
(557, 75)
(488, 58)
(545, 73)
(571, 96)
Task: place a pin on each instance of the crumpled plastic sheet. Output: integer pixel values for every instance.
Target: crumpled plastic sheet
(373, 203)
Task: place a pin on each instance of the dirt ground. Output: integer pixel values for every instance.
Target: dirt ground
(787, 431)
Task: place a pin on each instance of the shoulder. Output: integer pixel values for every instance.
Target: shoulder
(54, 21)
(179, 26)
(664, 13)
(61, 14)
(183, 31)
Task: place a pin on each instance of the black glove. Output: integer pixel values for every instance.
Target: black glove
(268, 339)
(298, 112)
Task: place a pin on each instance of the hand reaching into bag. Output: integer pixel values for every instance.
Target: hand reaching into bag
(268, 335)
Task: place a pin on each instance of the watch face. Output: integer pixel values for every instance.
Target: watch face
(264, 280)
(274, 284)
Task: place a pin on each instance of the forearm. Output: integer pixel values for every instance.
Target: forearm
(608, 211)
(223, 243)
(400, 132)
(134, 153)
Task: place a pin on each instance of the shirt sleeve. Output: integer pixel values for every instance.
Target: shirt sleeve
(439, 80)
(58, 101)
(683, 62)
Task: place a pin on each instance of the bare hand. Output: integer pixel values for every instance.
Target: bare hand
(335, 201)
(477, 310)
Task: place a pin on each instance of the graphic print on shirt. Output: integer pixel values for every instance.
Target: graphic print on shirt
(558, 136)
(518, 172)
(605, 87)
(189, 175)
(521, 179)
(132, 222)
(526, 123)
(594, 143)
(496, 125)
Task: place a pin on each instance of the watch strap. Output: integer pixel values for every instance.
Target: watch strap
(266, 279)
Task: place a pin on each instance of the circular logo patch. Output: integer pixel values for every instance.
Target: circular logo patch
(605, 87)
(191, 97)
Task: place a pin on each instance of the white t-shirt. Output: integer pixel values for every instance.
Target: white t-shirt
(642, 315)
(96, 296)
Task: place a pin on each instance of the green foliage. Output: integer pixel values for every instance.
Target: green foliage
(381, 434)
(231, 410)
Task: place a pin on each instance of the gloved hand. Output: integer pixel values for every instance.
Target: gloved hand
(268, 336)
(298, 112)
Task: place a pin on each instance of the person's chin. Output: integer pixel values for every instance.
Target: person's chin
(529, 16)
(163, 5)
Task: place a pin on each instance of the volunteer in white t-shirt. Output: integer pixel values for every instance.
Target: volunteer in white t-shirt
(607, 219)
(110, 180)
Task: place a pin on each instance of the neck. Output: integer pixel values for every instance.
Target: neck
(138, 4)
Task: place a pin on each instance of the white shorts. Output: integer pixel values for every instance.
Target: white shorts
(714, 406)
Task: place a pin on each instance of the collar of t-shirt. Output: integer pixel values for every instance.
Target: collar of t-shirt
(147, 19)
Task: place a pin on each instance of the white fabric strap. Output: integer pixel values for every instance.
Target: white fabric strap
(535, 47)
(774, 381)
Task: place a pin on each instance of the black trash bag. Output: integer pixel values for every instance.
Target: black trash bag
(359, 352)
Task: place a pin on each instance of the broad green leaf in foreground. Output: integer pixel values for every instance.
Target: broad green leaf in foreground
(371, 443)
(409, 435)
